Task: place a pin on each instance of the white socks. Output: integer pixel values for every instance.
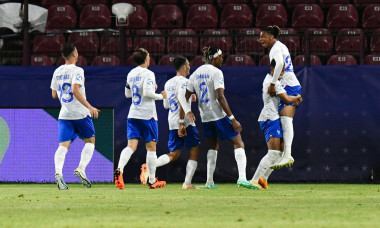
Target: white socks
(162, 160)
(190, 170)
(211, 164)
(151, 161)
(86, 155)
(59, 159)
(241, 161)
(125, 155)
(269, 159)
(288, 134)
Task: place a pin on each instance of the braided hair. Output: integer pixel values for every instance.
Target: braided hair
(209, 52)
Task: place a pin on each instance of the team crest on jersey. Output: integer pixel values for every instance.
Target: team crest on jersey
(221, 81)
(79, 77)
(150, 82)
(183, 85)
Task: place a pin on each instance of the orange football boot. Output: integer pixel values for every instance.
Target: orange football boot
(118, 176)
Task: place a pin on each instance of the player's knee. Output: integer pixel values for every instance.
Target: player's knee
(174, 155)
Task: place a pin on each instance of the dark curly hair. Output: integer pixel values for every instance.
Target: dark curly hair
(273, 30)
(209, 52)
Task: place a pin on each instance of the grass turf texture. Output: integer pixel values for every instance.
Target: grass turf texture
(283, 205)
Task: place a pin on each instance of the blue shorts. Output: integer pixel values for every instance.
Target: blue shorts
(177, 143)
(148, 129)
(221, 129)
(70, 129)
(271, 128)
(291, 91)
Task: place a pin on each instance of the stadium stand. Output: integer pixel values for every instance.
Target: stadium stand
(167, 17)
(202, 16)
(95, 16)
(187, 3)
(264, 61)
(110, 43)
(197, 61)
(47, 3)
(82, 3)
(320, 40)
(329, 3)
(271, 14)
(87, 43)
(375, 41)
(341, 60)
(49, 44)
(342, 16)
(299, 60)
(294, 3)
(290, 38)
(166, 60)
(236, 16)
(61, 17)
(222, 3)
(81, 61)
(247, 41)
(307, 16)
(348, 40)
(150, 39)
(371, 17)
(152, 3)
(214, 37)
(363, 3)
(372, 60)
(239, 60)
(184, 45)
(128, 1)
(105, 60)
(40, 60)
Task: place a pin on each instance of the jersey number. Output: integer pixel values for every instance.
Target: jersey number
(66, 96)
(172, 103)
(136, 98)
(289, 64)
(203, 89)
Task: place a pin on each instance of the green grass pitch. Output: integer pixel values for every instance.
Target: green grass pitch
(283, 205)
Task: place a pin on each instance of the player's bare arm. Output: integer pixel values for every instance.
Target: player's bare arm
(190, 115)
(226, 108)
(78, 95)
(182, 129)
(54, 94)
(290, 99)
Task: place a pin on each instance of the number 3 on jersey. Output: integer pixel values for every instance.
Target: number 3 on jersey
(136, 97)
(203, 89)
(65, 94)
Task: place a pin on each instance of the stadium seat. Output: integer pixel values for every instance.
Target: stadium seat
(197, 61)
(371, 17)
(82, 3)
(47, 3)
(247, 41)
(81, 61)
(131, 63)
(319, 42)
(348, 40)
(307, 16)
(152, 3)
(61, 17)
(342, 16)
(201, 16)
(139, 18)
(341, 60)
(87, 43)
(105, 60)
(166, 60)
(264, 61)
(49, 44)
(375, 41)
(187, 3)
(257, 2)
(294, 3)
(363, 3)
(290, 38)
(110, 43)
(299, 60)
(222, 3)
(239, 60)
(95, 16)
(40, 60)
(150, 39)
(133, 2)
(212, 37)
(236, 16)
(166, 17)
(185, 45)
(372, 60)
(329, 3)
(271, 14)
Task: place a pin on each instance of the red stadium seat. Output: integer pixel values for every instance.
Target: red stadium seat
(40, 60)
(319, 42)
(62, 17)
(47, 3)
(294, 3)
(329, 3)
(139, 18)
(342, 16)
(222, 3)
(81, 61)
(307, 16)
(82, 3)
(167, 17)
(290, 38)
(187, 3)
(371, 17)
(239, 60)
(133, 2)
(166, 60)
(372, 60)
(150, 39)
(271, 14)
(152, 3)
(105, 60)
(362, 3)
(299, 60)
(49, 44)
(87, 43)
(257, 2)
(236, 16)
(131, 63)
(95, 16)
(202, 16)
(341, 60)
(185, 45)
(248, 42)
(110, 43)
(197, 61)
(264, 61)
(212, 37)
(375, 41)
(348, 40)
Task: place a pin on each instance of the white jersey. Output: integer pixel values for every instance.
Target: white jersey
(270, 109)
(174, 87)
(289, 78)
(142, 107)
(64, 78)
(204, 82)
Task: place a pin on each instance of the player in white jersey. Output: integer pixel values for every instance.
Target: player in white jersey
(217, 119)
(270, 124)
(75, 116)
(182, 132)
(280, 53)
(142, 118)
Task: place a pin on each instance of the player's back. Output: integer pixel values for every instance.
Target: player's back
(270, 109)
(142, 107)
(63, 79)
(204, 82)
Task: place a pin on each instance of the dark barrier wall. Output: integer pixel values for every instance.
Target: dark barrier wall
(336, 127)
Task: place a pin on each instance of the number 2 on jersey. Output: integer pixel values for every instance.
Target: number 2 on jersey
(136, 97)
(203, 89)
(65, 94)
(289, 67)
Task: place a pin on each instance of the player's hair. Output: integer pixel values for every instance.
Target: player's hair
(178, 62)
(273, 63)
(209, 52)
(273, 30)
(139, 56)
(67, 49)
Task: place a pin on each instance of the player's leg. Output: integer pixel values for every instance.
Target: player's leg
(212, 155)
(192, 141)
